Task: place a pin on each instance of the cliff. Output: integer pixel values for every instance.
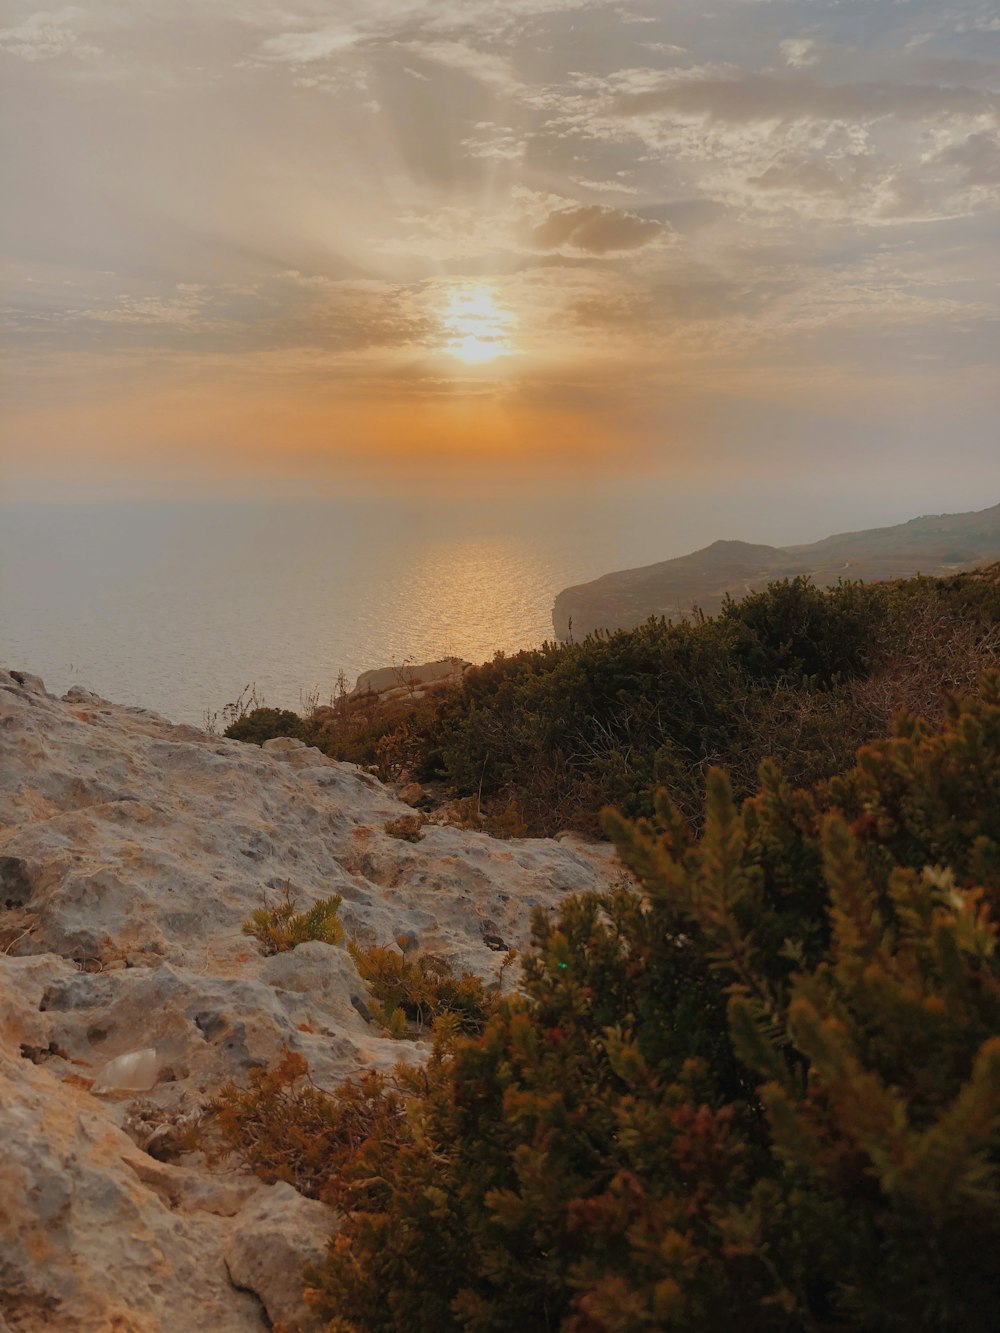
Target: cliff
(131, 853)
(934, 544)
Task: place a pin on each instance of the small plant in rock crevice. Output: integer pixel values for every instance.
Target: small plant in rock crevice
(278, 927)
(407, 828)
(412, 996)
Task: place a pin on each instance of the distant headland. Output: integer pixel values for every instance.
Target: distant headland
(934, 544)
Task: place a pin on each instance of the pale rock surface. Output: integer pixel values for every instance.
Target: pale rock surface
(131, 853)
(399, 681)
(274, 1235)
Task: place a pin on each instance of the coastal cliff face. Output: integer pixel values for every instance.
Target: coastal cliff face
(131, 853)
(674, 589)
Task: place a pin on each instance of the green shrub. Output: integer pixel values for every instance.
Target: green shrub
(282, 1127)
(804, 673)
(542, 740)
(761, 1090)
(264, 724)
(412, 996)
(279, 927)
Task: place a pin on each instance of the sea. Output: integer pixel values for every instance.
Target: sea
(180, 605)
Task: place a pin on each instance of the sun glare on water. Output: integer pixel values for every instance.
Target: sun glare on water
(476, 328)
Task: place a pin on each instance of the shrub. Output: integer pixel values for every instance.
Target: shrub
(542, 740)
(408, 828)
(809, 673)
(279, 927)
(264, 724)
(412, 996)
(762, 1090)
(285, 1128)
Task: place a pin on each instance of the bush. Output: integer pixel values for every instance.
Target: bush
(542, 740)
(807, 673)
(413, 996)
(279, 927)
(407, 828)
(285, 1128)
(264, 724)
(385, 732)
(761, 1090)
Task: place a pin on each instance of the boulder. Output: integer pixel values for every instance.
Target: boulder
(275, 1236)
(401, 680)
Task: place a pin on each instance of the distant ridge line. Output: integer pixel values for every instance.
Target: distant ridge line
(929, 544)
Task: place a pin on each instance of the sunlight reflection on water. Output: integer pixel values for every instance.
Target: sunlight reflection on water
(177, 607)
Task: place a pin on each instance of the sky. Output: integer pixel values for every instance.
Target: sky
(265, 247)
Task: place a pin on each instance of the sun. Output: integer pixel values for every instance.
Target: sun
(476, 327)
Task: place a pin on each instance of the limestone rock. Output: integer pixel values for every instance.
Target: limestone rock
(85, 1246)
(412, 794)
(33, 684)
(276, 1235)
(398, 681)
(131, 854)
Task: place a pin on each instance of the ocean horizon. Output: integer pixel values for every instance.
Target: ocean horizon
(178, 605)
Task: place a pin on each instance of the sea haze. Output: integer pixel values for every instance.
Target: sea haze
(177, 606)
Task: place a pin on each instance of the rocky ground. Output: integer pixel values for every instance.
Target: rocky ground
(131, 853)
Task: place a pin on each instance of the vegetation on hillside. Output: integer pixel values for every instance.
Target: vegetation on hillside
(801, 674)
(385, 732)
(934, 544)
(798, 673)
(411, 997)
(760, 1088)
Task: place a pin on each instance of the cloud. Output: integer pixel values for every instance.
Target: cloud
(799, 52)
(763, 97)
(490, 69)
(799, 175)
(977, 157)
(47, 35)
(494, 142)
(718, 199)
(596, 230)
(302, 48)
(605, 187)
(665, 48)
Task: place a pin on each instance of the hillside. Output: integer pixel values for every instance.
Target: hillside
(131, 853)
(150, 1048)
(933, 544)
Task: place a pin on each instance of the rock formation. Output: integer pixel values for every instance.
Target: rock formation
(408, 679)
(131, 853)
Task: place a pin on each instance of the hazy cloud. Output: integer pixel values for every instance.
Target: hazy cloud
(301, 48)
(756, 97)
(595, 229)
(799, 52)
(488, 67)
(795, 198)
(47, 35)
(978, 158)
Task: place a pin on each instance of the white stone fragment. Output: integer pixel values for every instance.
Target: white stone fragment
(136, 1071)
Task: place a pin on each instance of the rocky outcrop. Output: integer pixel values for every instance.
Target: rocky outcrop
(131, 853)
(408, 679)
